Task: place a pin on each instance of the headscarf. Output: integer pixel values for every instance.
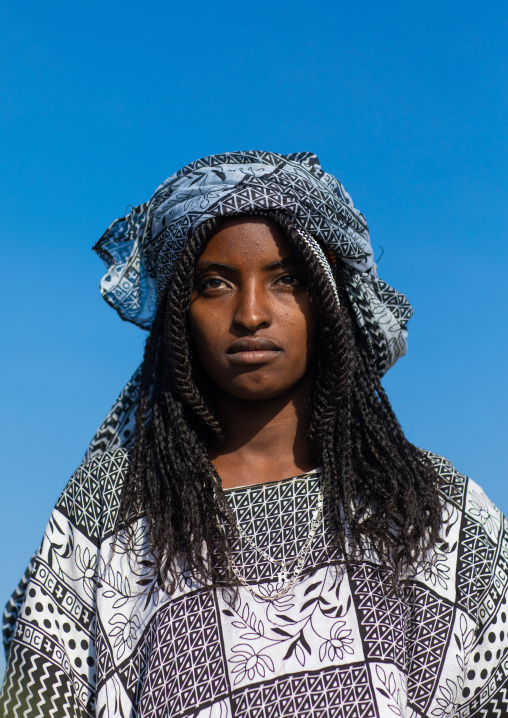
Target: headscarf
(141, 248)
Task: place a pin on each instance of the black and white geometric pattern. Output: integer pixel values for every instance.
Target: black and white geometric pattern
(89, 639)
(278, 514)
(310, 695)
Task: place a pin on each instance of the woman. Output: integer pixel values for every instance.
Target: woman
(263, 540)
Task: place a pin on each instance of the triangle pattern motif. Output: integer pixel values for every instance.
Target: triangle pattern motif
(183, 659)
(383, 615)
(429, 632)
(278, 515)
(474, 573)
(343, 692)
(92, 497)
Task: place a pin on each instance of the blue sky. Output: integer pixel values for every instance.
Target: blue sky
(406, 103)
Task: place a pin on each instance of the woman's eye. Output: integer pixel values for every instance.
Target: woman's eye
(291, 280)
(211, 283)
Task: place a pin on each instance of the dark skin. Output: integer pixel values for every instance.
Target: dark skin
(254, 327)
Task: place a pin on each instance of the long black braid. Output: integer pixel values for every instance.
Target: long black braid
(374, 480)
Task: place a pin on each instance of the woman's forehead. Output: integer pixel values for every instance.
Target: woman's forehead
(245, 239)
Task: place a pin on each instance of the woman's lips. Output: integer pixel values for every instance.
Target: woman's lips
(252, 351)
(256, 357)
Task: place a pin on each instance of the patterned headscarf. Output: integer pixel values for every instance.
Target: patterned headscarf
(140, 249)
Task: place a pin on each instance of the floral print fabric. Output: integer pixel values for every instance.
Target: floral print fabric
(88, 638)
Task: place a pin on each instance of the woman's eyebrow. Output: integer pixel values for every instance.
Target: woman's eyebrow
(214, 267)
(281, 264)
(207, 266)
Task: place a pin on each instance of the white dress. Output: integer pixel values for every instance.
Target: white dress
(86, 638)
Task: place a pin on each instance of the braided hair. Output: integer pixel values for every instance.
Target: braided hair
(374, 481)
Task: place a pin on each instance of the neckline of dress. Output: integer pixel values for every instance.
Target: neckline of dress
(306, 475)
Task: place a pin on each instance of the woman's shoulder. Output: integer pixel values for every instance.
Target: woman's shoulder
(453, 484)
(480, 514)
(91, 498)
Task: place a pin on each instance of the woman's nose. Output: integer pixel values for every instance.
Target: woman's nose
(252, 310)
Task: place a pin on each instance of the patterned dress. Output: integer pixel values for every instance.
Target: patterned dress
(87, 638)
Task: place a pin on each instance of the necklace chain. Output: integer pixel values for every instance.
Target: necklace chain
(284, 577)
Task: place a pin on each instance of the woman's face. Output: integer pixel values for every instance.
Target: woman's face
(251, 314)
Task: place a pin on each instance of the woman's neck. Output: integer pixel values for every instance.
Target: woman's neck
(266, 439)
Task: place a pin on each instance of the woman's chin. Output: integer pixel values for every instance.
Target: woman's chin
(261, 391)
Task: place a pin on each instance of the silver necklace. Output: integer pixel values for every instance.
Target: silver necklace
(285, 577)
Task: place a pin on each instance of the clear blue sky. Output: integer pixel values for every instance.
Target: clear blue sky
(406, 103)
